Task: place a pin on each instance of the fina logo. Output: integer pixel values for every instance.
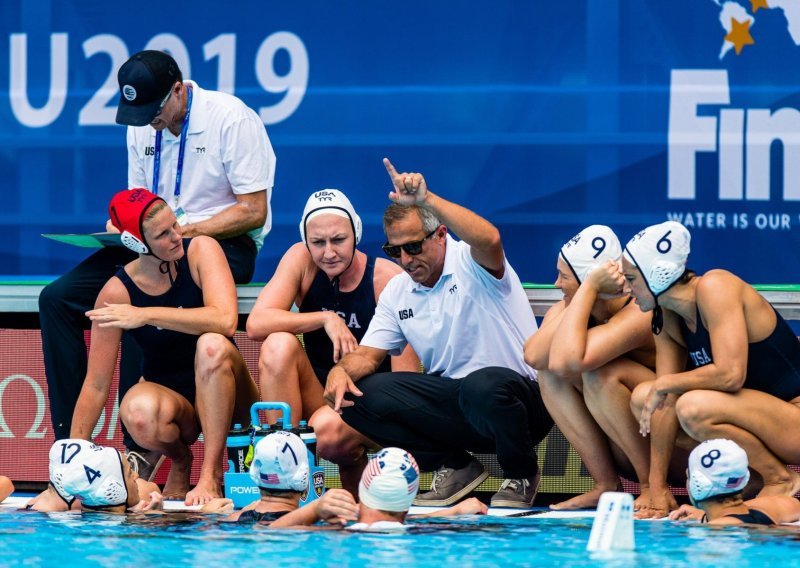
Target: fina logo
(129, 93)
(741, 137)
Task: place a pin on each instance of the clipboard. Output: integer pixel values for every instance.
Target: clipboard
(90, 240)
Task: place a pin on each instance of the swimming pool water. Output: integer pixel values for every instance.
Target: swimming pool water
(35, 539)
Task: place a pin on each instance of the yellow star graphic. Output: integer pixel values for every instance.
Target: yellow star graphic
(757, 4)
(740, 35)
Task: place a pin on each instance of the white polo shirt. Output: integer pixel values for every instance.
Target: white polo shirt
(469, 320)
(227, 153)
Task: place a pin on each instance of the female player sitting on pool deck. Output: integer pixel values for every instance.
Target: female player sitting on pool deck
(716, 476)
(336, 288)
(388, 486)
(84, 476)
(592, 349)
(178, 301)
(727, 365)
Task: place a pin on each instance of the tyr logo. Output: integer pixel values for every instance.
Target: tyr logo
(200, 150)
(324, 195)
(453, 288)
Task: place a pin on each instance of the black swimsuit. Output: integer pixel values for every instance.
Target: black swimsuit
(773, 365)
(754, 517)
(356, 308)
(167, 355)
(251, 516)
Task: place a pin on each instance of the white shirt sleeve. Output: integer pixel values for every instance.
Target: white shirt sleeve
(501, 286)
(248, 156)
(384, 330)
(137, 177)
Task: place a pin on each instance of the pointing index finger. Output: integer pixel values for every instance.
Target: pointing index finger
(389, 168)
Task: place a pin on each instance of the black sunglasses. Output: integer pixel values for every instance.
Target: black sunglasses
(412, 248)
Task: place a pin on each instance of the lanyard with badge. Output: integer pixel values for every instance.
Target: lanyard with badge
(180, 214)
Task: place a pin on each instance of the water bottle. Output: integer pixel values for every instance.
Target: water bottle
(308, 436)
(316, 480)
(238, 443)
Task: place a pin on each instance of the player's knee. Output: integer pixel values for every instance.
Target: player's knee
(336, 442)
(139, 413)
(693, 412)
(278, 352)
(213, 356)
(639, 396)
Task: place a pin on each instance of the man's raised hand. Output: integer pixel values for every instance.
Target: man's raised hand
(409, 188)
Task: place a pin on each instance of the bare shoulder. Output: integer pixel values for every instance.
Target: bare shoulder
(718, 281)
(290, 281)
(296, 266)
(555, 309)
(113, 292)
(385, 270)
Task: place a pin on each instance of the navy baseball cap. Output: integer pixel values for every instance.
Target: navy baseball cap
(144, 82)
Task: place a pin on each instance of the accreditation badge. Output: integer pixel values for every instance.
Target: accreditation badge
(181, 216)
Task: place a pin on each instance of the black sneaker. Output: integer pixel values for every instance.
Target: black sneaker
(146, 467)
(517, 493)
(450, 485)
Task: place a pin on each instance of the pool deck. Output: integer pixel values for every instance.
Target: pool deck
(18, 500)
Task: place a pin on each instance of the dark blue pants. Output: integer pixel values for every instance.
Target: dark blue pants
(493, 410)
(62, 308)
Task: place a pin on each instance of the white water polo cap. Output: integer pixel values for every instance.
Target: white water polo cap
(93, 474)
(390, 481)
(56, 453)
(717, 467)
(660, 253)
(332, 202)
(280, 462)
(589, 249)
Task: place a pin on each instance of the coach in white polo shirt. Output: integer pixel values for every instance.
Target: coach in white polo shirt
(228, 163)
(208, 155)
(462, 308)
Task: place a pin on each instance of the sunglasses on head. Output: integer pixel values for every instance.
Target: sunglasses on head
(413, 248)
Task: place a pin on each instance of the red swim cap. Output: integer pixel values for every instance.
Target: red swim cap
(127, 211)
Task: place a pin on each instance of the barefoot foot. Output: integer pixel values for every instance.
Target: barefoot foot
(177, 484)
(204, 491)
(587, 500)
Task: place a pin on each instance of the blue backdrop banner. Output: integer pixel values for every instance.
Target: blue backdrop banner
(543, 117)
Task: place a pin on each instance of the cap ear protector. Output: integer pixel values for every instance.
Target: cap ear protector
(127, 211)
